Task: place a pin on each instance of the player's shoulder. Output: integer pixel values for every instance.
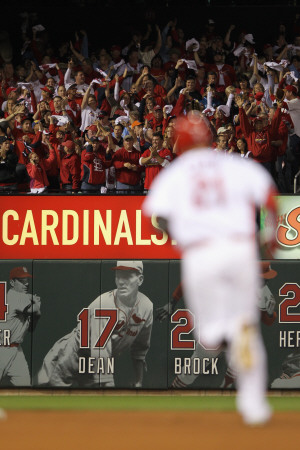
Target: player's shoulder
(104, 300)
(108, 298)
(19, 296)
(145, 301)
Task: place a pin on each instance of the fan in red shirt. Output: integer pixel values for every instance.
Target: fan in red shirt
(156, 122)
(36, 169)
(157, 69)
(27, 134)
(126, 162)
(154, 159)
(259, 139)
(155, 91)
(70, 168)
(93, 165)
(72, 107)
(226, 75)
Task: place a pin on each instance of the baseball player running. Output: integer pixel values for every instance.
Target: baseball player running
(24, 309)
(205, 200)
(131, 331)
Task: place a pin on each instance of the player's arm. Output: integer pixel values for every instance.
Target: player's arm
(33, 310)
(165, 311)
(36, 305)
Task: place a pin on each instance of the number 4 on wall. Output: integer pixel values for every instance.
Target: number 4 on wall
(286, 307)
(3, 304)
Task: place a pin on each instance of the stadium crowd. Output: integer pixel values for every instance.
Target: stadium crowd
(75, 120)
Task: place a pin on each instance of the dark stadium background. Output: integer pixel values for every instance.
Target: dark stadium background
(113, 21)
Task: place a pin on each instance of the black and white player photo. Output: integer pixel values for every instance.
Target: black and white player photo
(118, 320)
(21, 311)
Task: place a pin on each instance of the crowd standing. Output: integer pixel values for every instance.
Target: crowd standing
(75, 120)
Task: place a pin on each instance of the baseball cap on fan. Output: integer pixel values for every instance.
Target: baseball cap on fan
(129, 265)
(19, 272)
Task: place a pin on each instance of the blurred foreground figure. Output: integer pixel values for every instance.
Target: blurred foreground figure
(206, 200)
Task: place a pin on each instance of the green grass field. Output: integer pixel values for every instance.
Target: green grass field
(136, 403)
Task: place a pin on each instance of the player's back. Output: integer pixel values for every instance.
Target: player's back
(208, 195)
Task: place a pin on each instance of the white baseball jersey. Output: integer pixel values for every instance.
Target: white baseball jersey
(13, 364)
(18, 322)
(217, 192)
(133, 329)
(208, 200)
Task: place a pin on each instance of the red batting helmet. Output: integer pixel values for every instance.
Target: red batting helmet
(193, 130)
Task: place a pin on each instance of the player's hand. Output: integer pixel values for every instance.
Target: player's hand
(270, 305)
(36, 298)
(164, 312)
(36, 304)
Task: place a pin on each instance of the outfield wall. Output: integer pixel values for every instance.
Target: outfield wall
(80, 338)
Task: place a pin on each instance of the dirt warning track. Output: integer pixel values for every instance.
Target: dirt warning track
(49, 430)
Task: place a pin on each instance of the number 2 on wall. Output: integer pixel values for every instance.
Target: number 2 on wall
(185, 324)
(3, 304)
(83, 318)
(286, 307)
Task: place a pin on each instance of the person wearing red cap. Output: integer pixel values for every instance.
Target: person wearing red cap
(206, 200)
(130, 335)
(47, 93)
(23, 311)
(70, 168)
(154, 159)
